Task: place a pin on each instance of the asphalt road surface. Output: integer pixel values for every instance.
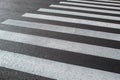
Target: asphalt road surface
(59, 40)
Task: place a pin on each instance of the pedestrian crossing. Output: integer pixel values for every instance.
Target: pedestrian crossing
(91, 5)
(54, 69)
(79, 14)
(93, 2)
(71, 20)
(85, 46)
(62, 29)
(116, 1)
(84, 8)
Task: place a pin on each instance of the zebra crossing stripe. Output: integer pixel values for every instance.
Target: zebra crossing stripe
(91, 5)
(109, 1)
(72, 20)
(62, 29)
(115, 1)
(85, 9)
(51, 69)
(70, 37)
(102, 3)
(61, 44)
(68, 57)
(79, 14)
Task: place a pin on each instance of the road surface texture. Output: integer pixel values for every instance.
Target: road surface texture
(59, 40)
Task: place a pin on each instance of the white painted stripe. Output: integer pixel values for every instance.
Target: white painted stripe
(90, 5)
(85, 9)
(114, 4)
(109, 1)
(61, 44)
(52, 69)
(79, 14)
(72, 20)
(42, 26)
(104, 0)
(63, 29)
(114, 1)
